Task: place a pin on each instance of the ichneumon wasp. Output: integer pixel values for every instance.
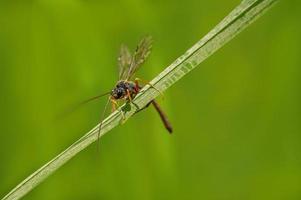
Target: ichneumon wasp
(127, 87)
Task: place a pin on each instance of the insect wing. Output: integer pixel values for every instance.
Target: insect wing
(124, 62)
(142, 52)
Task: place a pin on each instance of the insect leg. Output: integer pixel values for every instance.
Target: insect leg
(147, 83)
(114, 104)
(131, 99)
(128, 94)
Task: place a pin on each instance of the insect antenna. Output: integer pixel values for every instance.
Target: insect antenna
(76, 106)
(93, 98)
(101, 121)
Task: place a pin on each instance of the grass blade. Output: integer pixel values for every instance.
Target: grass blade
(244, 14)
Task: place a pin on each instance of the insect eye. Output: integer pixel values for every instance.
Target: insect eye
(119, 92)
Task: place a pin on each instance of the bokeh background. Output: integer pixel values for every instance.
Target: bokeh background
(236, 117)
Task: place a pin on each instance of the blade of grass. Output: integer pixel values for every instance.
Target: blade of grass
(244, 14)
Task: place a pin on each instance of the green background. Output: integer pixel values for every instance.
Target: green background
(236, 118)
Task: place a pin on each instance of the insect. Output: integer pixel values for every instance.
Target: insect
(126, 87)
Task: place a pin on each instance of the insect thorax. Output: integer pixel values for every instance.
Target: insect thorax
(122, 89)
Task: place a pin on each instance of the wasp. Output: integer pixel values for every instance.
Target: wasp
(128, 87)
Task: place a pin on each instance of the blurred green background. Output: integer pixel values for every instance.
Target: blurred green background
(236, 117)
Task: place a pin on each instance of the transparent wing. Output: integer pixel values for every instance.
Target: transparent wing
(124, 62)
(142, 52)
